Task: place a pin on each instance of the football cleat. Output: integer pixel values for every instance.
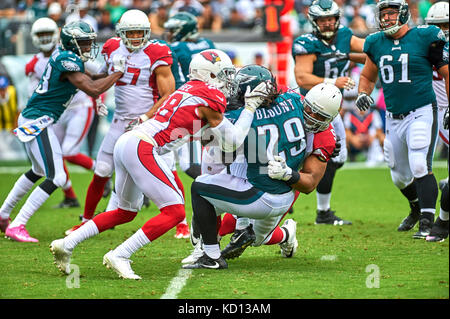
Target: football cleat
(182, 231)
(74, 228)
(19, 233)
(239, 241)
(68, 203)
(327, 217)
(195, 255)
(442, 183)
(424, 228)
(4, 223)
(61, 255)
(207, 262)
(192, 236)
(439, 231)
(409, 222)
(120, 265)
(289, 247)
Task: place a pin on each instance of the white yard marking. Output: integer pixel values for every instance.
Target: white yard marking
(177, 284)
(328, 258)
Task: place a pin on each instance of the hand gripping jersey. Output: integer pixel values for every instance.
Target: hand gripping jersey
(186, 50)
(404, 69)
(177, 120)
(53, 95)
(136, 91)
(326, 65)
(277, 130)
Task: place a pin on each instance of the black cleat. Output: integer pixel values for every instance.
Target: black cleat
(424, 228)
(239, 241)
(327, 217)
(206, 262)
(442, 183)
(439, 231)
(68, 203)
(409, 222)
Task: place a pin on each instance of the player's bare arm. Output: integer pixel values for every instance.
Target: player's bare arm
(368, 77)
(92, 87)
(166, 86)
(310, 175)
(356, 46)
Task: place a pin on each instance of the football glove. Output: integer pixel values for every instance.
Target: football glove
(364, 101)
(254, 98)
(100, 108)
(135, 122)
(350, 84)
(119, 62)
(337, 148)
(445, 120)
(278, 169)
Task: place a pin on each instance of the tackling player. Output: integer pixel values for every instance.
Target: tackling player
(324, 57)
(64, 74)
(403, 58)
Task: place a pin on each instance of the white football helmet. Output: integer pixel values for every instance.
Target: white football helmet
(321, 106)
(133, 20)
(438, 14)
(44, 43)
(214, 67)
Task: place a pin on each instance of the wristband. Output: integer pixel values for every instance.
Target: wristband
(144, 117)
(294, 179)
(329, 81)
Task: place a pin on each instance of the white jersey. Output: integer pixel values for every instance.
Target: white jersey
(136, 91)
(36, 67)
(439, 89)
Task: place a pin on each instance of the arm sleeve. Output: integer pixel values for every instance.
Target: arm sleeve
(436, 54)
(233, 136)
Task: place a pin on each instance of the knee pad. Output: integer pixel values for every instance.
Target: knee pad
(400, 180)
(419, 136)
(60, 179)
(418, 164)
(103, 169)
(388, 153)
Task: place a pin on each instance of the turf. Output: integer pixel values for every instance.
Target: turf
(331, 262)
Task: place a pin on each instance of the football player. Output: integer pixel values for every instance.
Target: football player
(191, 109)
(64, 74)
(438, 15)
(403, 57)
(324, 56)
(74, 124)
(260, 185)
(183, 36)
(146, 83)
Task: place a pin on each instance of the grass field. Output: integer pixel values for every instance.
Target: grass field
(368, 259)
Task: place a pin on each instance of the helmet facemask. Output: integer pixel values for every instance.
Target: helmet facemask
(315, 119)
(324, 9)
(134, 20)
(403, 16)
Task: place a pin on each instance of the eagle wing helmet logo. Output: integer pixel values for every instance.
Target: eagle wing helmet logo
(211, 56)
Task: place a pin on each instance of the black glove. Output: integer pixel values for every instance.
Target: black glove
(337, 148)
(364, 101)
(445, 120)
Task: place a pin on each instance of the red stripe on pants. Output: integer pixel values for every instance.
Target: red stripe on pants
(169, 217)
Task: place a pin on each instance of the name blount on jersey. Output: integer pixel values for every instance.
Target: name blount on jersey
(282, 107)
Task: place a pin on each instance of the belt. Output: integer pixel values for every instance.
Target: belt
(399, 116)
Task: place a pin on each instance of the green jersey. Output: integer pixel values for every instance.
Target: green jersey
(326, 64)
(277, 130)
(404, 68)
(185, 50)
(53, 95)
(175, 67)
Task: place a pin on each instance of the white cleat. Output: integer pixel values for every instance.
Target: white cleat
(120, 265)
(289, 247)
(61, 255)
(195, 255)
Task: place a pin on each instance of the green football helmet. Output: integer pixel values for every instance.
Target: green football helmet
(182, 26)
(403, 15)
(252, 75)
(321, 9)
(78, 35)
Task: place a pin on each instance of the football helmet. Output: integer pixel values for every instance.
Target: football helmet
(214, 67)
(182, 26)
(45, 34)
(402, 18)
(134, 20)
(438, 14)
(321, 106)
(77, 35)
(252, 75)
(320, 9)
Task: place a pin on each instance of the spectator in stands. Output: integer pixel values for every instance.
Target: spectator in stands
(258, 59)
(143, 5)
(7, 8)
(55, 13)
(211, 19)
(105, 26)
(115, 8)
(82, 13)
(8, 104)
(159, 14)
(192, 6)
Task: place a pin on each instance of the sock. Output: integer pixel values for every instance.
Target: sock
(427, 191)
(22, 186)
(132, 244)
(110, 219)
(33, 203)
(204, 214)
(228, 225)
(242, 223)
(94, 194)
(278, 236)
(183, 222)
(410, 192)
(323, 201)
(86, 231)
(81, 160)
(443, 214)
(169, 217)
(212, 251)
